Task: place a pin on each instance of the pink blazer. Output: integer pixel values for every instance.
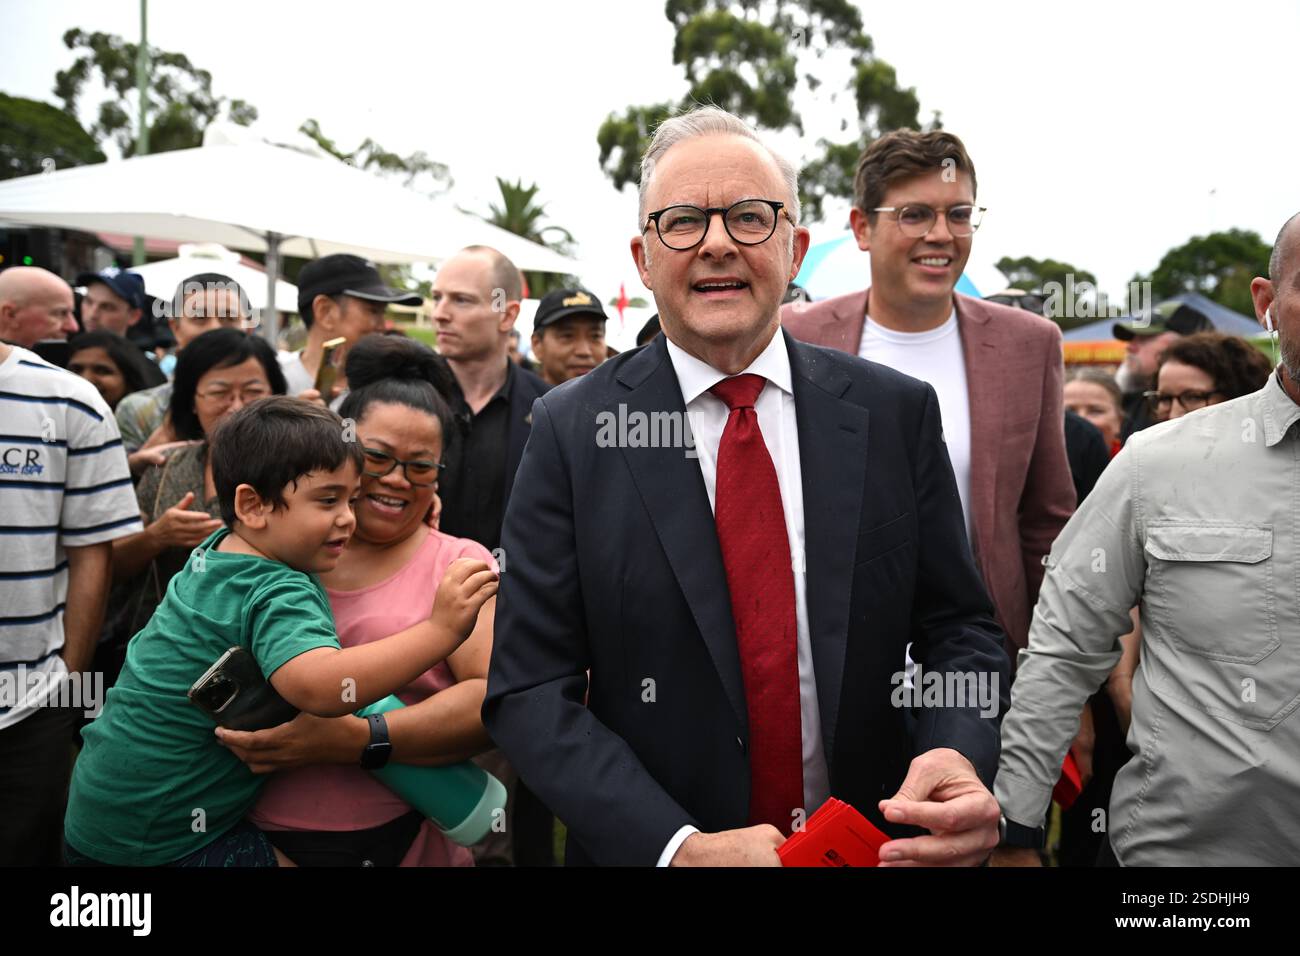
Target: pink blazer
(1021, 492)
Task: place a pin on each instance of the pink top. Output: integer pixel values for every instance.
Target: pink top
(335, 797)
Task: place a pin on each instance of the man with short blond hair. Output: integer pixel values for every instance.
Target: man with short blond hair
(475, 297)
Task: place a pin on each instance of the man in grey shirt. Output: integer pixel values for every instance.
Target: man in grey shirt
(1197, 523)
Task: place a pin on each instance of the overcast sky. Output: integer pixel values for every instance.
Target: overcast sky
(1103, 133)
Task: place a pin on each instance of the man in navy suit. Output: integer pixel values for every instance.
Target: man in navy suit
(699, 630)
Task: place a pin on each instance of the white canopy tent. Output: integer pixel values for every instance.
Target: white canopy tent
(262, 198)
(161, 278)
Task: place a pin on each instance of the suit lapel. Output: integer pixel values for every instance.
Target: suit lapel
(832, 442)
(673, 491)
(979, 352)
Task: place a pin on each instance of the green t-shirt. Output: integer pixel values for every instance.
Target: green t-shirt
(152, 783)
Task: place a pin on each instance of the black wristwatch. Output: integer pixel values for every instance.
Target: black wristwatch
(379, 749)
(1019, 836)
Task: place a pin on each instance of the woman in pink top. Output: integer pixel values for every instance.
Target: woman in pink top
(320, 807)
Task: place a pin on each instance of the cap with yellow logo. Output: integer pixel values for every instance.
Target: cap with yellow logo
(563, 303)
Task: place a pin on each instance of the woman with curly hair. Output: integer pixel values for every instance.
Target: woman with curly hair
(1205, 369)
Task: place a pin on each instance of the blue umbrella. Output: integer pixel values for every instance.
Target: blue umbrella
(837, 267)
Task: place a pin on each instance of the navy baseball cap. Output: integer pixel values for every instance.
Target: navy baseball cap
(127, 286)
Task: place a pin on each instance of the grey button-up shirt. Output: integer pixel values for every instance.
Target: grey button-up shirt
(1195, 521)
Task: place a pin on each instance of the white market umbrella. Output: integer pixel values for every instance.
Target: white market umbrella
(261, 198)
(161, 278)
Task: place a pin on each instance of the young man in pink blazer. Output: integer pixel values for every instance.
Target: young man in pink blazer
(997, 370)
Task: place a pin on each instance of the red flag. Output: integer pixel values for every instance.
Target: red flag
(622, 304)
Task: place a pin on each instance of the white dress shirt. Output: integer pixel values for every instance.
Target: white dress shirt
(776, 418)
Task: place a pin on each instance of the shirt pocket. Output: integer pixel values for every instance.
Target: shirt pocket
(1215, 585)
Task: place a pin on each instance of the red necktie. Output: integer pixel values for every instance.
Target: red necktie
(760, 578)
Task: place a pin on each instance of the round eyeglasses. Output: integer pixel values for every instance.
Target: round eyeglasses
(748, 222)
(419, 472)
(916, 220)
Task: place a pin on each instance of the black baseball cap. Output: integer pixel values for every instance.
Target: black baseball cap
(343, 274)
(1171, 316)
(563, 303)
(128, 286)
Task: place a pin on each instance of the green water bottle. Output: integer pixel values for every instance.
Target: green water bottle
(461, 799)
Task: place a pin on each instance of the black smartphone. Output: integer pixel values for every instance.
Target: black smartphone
(234, 693)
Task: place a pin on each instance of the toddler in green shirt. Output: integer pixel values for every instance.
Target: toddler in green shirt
(152, 785)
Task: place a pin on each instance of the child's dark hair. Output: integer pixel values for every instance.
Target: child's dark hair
(272, 443)
(385, 368)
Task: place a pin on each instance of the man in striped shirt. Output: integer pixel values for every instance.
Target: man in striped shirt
(65, 494)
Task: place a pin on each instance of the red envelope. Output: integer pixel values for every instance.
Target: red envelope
(1070, 784)
(836, 835)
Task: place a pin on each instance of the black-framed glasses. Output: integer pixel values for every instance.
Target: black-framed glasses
(1190, 400)
(420, 472)
(916, 219)
(748, 222)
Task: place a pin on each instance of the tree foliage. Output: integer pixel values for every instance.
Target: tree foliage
(1032, 275)
(32, 132)
(521, 214)
(370, 155)
(181, 103)
(757, 59)
(1219, 266)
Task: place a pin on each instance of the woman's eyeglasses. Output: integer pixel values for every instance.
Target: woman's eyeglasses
(224, 395)
(1162, 402)
(419, 472)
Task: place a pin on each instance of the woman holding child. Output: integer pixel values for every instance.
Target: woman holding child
(320, 807)
(153, 786)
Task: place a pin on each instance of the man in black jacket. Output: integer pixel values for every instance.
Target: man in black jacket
(475, 298)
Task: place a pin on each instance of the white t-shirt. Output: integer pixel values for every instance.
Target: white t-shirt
(935, 357)
(296, 375)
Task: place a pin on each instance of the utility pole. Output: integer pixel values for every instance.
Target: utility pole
(142, 88)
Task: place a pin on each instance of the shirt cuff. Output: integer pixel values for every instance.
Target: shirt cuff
(675, 843)
(1021, 801)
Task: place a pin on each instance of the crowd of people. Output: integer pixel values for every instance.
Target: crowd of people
(678, 648)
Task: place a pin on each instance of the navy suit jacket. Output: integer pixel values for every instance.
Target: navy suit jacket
(612, 565)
